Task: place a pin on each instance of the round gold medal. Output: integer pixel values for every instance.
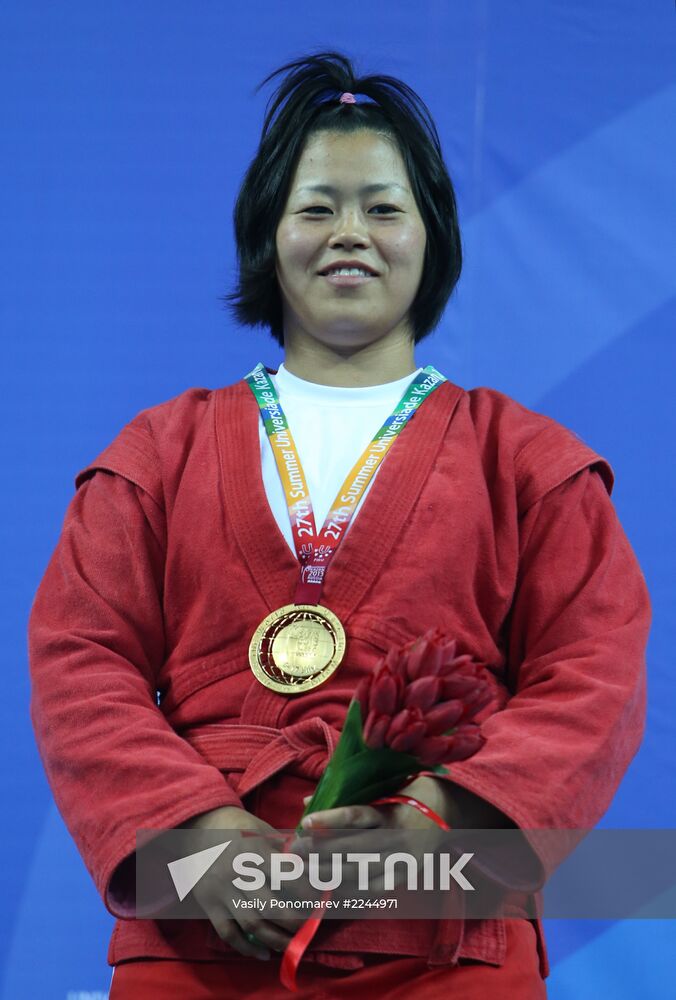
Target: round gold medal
(296, 648)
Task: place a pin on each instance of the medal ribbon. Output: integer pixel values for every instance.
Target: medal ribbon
(316, 549)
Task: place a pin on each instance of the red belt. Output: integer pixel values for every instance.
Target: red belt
(262, 751)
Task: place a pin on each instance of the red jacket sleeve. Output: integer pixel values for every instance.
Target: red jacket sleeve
(577, 631)
(96, 642)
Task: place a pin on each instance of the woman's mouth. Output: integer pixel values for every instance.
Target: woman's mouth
(348, 277)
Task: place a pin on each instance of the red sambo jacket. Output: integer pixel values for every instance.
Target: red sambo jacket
(486, 519)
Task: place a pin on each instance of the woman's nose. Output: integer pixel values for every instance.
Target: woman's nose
(350, 229)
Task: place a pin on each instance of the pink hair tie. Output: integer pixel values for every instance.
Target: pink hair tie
(347, 98)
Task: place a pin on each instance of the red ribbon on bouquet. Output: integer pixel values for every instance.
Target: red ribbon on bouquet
(298, 944)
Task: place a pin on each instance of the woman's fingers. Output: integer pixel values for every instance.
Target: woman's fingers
(267, 933)
(259, 933)
(349, 829)
(344, 817)
(229, 931)
(235, 928)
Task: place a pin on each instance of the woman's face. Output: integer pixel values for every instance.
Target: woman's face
(381, 229)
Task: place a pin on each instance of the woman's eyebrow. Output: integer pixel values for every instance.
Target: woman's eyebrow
(367, 189)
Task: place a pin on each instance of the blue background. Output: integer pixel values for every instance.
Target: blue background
(126, 130)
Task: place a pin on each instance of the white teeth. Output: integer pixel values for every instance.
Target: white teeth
(350, 270)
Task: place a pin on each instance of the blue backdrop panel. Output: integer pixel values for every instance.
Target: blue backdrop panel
(126, 130)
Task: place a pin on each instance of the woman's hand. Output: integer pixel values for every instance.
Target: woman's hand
(215, 893)
(398, 816)
(403, 820)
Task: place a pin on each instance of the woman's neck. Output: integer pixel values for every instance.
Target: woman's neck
(374, 364)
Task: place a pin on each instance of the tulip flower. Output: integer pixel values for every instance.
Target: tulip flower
(427, 690)
(415, 711)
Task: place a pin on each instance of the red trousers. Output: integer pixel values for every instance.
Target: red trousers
(382, 977)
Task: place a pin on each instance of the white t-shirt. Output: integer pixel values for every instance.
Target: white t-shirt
(331, 427)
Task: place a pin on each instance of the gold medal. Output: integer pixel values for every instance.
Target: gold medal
(296, 648)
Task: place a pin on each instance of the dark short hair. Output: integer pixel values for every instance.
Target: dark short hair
(305, 102)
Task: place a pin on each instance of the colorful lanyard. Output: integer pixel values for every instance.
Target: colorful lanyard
(316, 549)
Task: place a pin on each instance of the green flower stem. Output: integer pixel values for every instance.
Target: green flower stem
(356, 774)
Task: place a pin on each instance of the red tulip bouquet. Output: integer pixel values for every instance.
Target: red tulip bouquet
(416, 712)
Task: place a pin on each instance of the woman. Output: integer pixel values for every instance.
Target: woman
(488, 520)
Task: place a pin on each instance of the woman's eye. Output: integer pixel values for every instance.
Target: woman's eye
(323, 208)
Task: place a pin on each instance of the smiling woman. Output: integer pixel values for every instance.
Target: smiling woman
(192, 563)
(348, 265)
(359, 182)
